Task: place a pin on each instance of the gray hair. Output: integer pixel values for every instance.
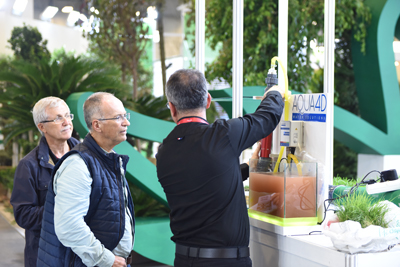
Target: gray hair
(187, 90)
(92, 107)
(39, 110)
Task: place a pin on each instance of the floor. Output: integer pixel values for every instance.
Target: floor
(12, 244)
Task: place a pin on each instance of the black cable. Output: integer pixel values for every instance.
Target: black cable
(362, 181)
(326, 209)
(351, 191)
(279, 164)
(355, 187)
(292, 150)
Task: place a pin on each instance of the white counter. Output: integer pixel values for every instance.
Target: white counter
(272, 246)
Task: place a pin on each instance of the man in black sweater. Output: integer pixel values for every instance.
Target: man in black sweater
(198, 167)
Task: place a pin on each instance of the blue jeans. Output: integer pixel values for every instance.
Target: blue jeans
(183, 261)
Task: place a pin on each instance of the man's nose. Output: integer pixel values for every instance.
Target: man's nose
(126, 122)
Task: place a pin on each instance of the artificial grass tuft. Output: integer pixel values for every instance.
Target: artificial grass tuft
(344, 181)
(361, 208)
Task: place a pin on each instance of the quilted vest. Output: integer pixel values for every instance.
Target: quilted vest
(106, 214)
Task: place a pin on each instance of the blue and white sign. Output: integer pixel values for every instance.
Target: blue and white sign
(285, 133)
(309, 107)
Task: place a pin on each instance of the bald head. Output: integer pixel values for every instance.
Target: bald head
(92, 108)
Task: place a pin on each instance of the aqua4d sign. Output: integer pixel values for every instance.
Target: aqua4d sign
(309, 107)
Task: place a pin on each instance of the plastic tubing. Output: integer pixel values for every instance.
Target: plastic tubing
(287, 94)
(293, 157)
(286, 110)
(279, 159)
(286, 117)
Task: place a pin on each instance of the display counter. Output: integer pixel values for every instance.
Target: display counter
(272, 246)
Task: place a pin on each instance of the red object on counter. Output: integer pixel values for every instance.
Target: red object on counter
(266, 144)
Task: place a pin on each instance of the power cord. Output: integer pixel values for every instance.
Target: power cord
(351, 191)
(281, 162)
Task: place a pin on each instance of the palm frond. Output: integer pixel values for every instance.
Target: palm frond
(24, 84)
(20, 129)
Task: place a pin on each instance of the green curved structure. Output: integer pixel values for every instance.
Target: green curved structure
(377, 131)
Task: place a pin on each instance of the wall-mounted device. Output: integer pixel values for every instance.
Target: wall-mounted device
(292, 134)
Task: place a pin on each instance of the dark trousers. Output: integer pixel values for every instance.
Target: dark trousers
(184, 261)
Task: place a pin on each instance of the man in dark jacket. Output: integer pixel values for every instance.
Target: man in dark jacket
(198, 167)
(88, 216)
(32, 176)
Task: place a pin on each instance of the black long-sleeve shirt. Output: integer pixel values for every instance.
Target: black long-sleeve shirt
(198, 167)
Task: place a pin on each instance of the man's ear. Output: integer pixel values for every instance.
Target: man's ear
(173, 110)
(208, 100)
(41, 127)
(96, 126)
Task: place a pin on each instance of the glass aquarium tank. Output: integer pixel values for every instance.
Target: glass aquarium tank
(285, 196)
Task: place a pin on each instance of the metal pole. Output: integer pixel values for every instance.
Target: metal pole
(237, 77)
(329, 65)
(200, 34)
(283, 15)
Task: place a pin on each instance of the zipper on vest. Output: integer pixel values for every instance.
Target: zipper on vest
(71, 263)
(120, 202)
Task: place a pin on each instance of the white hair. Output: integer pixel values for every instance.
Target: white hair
(39, 110)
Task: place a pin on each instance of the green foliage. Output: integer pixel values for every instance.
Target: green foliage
(344, 160)
(306, 23)
(4, 62)
(27, 44)
(212, 113)
(119, 33)
(149, 105)
(26, 145)
(61, 55)
(146, 206)
(316, 84)
(306, 20)
(5, 158)
(7, 176)
(22, 84)
(345, 87)
(344, 181)
(361, 208)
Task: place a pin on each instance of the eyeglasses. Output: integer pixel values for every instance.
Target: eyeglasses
(61, 119)
(119, 118)
(167, 105)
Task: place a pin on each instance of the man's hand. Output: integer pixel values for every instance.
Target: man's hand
(119, 262)
(275, 88)
(256, 153)
(255, 156)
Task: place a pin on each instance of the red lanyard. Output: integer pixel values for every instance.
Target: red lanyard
(192, 119)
